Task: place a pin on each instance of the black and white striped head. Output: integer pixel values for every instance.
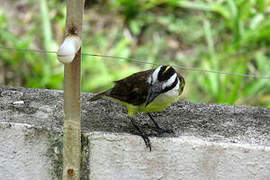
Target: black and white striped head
(163, 80)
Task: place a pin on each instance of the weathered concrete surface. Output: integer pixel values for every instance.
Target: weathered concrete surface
(28, 152)
(115, 157)
(210, 141)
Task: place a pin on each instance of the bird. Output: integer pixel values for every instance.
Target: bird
(146, 91)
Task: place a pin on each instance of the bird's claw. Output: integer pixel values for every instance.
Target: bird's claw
(161, 130)
(147, 142)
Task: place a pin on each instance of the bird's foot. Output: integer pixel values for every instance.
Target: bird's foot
(163, 130)
(157, 127)
(145, 137)
(160, 130)
(146, 141)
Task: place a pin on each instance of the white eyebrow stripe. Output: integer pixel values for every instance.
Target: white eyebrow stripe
(155, 74)
(170, 81)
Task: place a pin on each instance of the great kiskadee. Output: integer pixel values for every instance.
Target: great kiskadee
(146, 91)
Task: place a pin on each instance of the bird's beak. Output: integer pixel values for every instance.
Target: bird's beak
(152, 95)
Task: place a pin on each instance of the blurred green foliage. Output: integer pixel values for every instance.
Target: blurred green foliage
(223, 35)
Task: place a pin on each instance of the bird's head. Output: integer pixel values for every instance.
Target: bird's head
(162, 80)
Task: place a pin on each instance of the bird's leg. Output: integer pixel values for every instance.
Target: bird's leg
(145, 137)
(158, 127)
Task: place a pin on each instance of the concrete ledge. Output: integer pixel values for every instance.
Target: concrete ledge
(123, 157)
(27, 152)
(210, 141)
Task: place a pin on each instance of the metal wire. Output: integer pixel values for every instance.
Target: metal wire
(32, 50)
(143, 62)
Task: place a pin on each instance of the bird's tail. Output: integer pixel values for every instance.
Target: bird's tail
(97, 96)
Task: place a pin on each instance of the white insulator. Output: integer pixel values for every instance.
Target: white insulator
(68, 49)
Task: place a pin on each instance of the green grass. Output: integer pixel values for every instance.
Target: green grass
(223, 35)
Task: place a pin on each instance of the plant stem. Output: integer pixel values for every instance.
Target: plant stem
(72, 91)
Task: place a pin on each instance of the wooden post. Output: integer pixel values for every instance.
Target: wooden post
(72, 92)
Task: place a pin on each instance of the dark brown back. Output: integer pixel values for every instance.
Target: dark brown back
(133, 89)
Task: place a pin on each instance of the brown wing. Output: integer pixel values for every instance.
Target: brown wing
(132, 89)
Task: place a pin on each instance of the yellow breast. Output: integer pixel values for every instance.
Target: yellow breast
(158, 104)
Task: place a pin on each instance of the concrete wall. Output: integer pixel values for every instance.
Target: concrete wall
(210, 141)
